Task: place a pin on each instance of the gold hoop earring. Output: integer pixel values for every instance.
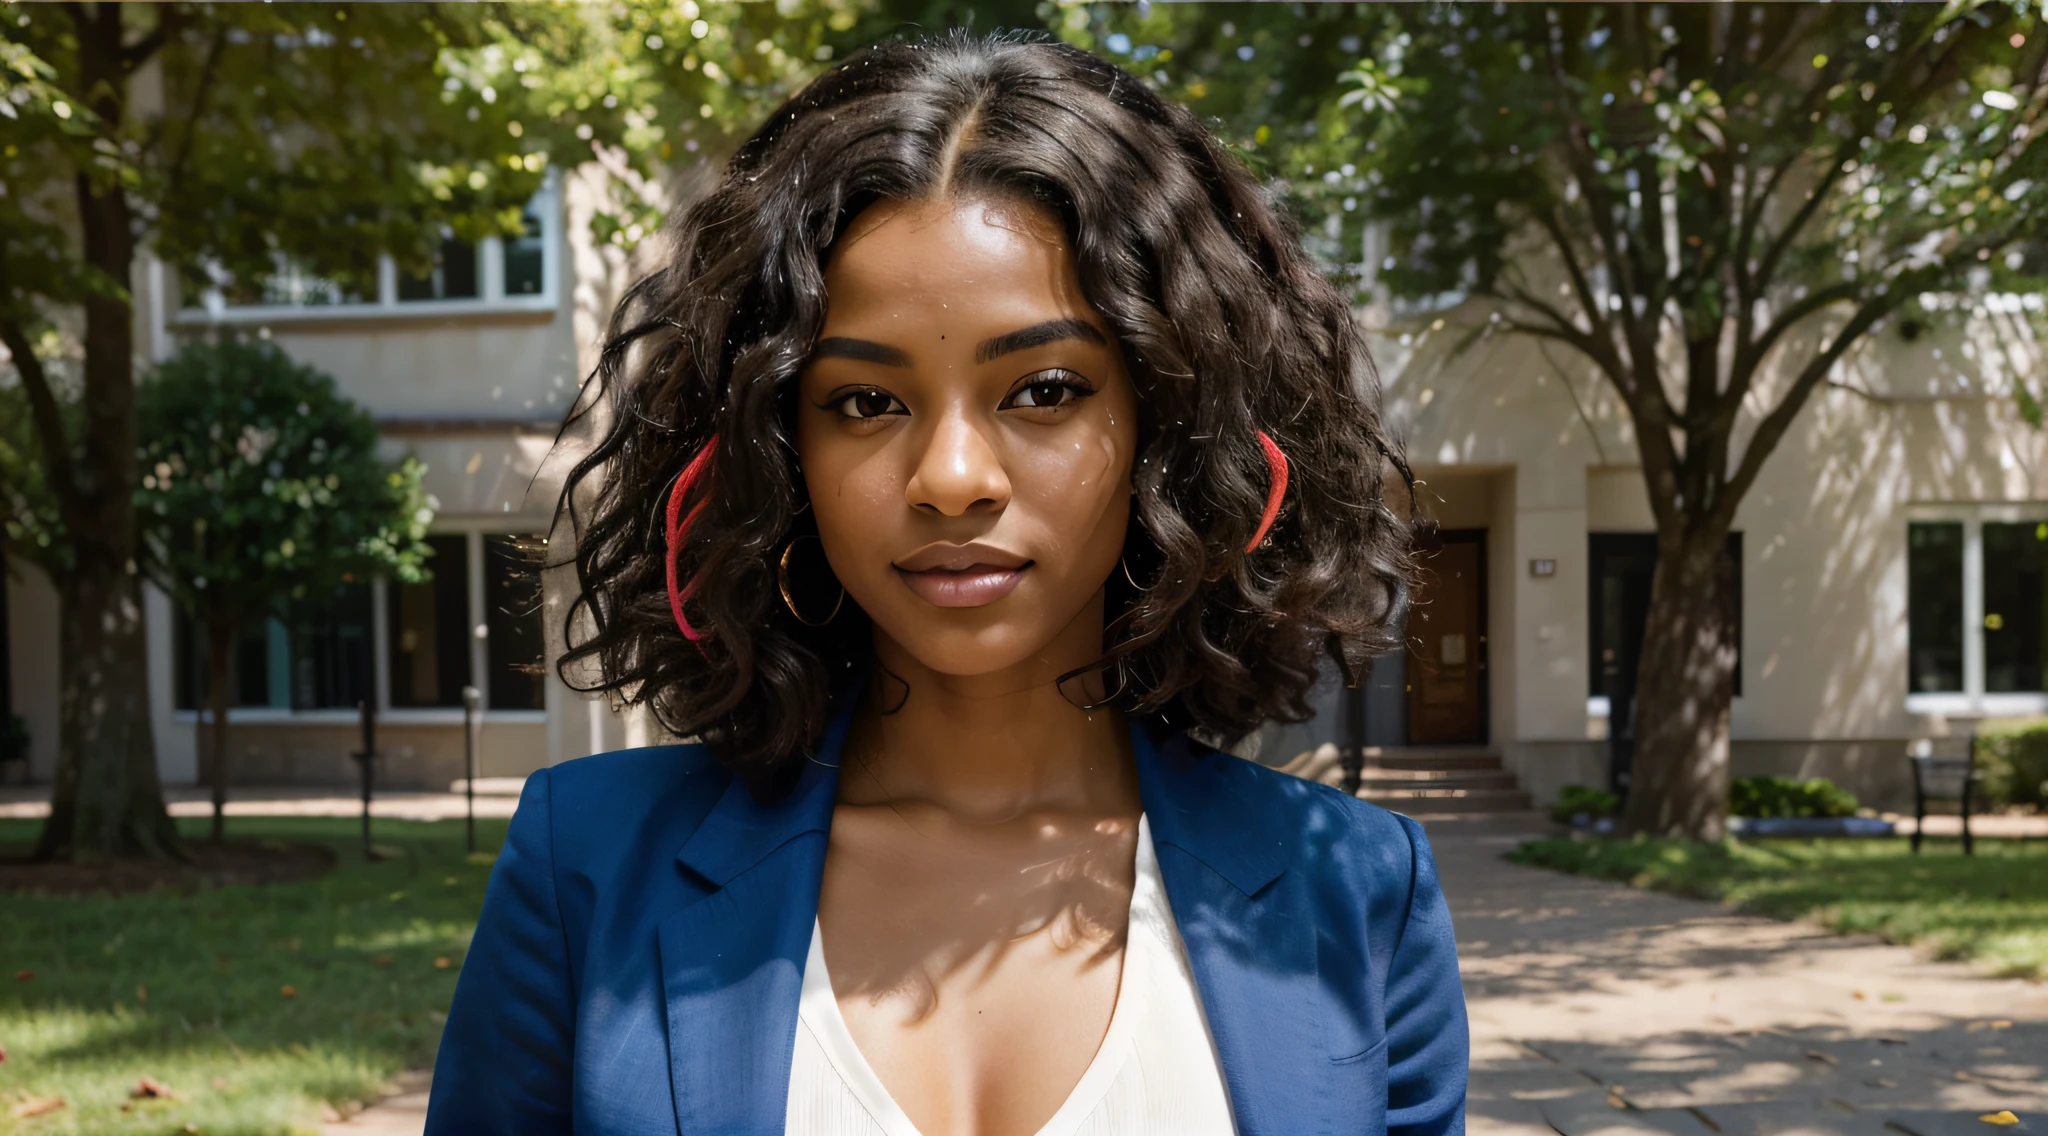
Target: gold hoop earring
(789, 601)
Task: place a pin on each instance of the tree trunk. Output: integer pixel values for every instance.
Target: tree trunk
(107, 800)
(1685, 679)
(220, 677)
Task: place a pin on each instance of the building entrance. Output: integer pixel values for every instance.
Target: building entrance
(1447, 677)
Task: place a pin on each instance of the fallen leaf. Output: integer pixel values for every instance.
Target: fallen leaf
(288, 991)
(2003, 1118)
(1859, 995)
(37, 1106)
(127, 1106)
(24, 975)
(1882, 1083)
(1616, 1102)
(1817, 1055)
(152, 1088)
(441, 962)
(219, 1084)
(141, 993)
(382, 960)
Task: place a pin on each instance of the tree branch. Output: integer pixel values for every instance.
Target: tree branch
(1772, 429)
(44, 413)
(174, 177)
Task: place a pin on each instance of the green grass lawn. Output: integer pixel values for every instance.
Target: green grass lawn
(189, 989)
(1991, 908)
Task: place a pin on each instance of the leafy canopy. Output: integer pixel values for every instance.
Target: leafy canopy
(262, 490)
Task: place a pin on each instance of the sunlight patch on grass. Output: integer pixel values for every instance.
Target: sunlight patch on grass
(1991, 908)
(258, 1004)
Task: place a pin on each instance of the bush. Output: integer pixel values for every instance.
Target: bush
(2013, 761)
(1787, 797)
(1578, 800)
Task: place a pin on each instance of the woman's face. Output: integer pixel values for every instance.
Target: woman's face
(966, 431)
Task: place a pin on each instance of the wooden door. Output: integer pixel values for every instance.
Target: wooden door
(1447, 677)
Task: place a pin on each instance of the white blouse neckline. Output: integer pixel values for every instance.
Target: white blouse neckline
(818, 1007)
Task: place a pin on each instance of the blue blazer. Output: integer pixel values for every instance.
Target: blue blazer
(642, 944)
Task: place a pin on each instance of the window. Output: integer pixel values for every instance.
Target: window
(453, 276)
(2015, 556)
(428, 643)
(1620, 568)
(331, 664)
(250, 671)
(526, 259)
(512, 618)
(1977, 609)
(1934, 606)
(512, 273)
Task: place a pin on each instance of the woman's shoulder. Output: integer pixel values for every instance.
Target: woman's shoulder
(623, 803)
(1331, 830)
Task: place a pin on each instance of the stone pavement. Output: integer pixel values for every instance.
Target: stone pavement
(1601, 1010)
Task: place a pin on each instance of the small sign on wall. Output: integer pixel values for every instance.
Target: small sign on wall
(1542, 568)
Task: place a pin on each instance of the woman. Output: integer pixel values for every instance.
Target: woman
(985, 442)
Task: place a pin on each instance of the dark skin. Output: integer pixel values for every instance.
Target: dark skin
(966, 430)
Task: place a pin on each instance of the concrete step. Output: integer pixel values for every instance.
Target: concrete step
(1418, 758)
(1451, 801)
(1428, 780)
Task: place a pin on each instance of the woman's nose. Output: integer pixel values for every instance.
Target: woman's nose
(959, 470)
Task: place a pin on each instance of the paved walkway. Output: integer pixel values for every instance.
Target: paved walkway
(495, 797)
(1600, 1010)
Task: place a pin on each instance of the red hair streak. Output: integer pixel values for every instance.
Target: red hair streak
(678, 526)
(1276, 487)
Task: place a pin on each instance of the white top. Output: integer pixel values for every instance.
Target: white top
(1156, 1074)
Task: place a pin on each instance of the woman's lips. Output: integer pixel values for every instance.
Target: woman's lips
(972, 586)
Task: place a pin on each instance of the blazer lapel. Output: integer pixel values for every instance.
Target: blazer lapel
(1225, 847)
(732, 962)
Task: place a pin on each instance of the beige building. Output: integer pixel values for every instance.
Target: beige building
(1892, 558)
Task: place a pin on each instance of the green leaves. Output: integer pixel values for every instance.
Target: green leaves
(261, 486)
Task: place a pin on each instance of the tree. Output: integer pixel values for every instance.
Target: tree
(262, 494)
(1713, 205)
(232, 141)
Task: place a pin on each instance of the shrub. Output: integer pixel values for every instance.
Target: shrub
(1789, 797)
(2012, 758)
(1578, 800)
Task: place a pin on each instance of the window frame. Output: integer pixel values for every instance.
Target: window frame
(473, 530)
(1973, 699)
(491, 298)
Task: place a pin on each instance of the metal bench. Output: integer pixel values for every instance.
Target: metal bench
(1944, 769)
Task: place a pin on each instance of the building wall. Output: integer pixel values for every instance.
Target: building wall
(1912, 424)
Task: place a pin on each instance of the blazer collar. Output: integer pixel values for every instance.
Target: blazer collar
(732, 961)
(741, 831)
(1212, 806)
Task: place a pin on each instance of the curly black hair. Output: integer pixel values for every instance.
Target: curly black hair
(1226, 325)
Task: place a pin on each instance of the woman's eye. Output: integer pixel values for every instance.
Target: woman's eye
(1051, 393)
(869, 404)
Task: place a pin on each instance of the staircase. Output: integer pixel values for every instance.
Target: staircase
(1419, 780)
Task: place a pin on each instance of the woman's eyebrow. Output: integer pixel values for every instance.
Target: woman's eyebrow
(863, 350)
(1037, 335)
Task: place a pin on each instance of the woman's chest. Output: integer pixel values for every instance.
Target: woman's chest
(975, 974)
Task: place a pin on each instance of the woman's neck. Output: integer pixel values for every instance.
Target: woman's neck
(992, 747)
